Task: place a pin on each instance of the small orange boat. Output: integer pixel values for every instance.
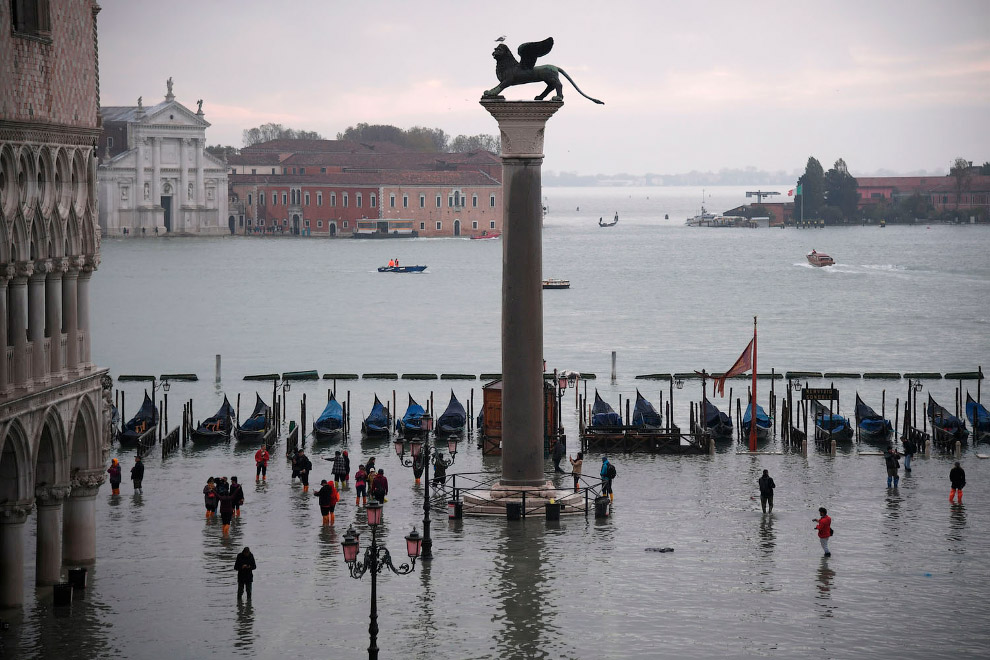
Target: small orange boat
(819, 259)
(486, 234)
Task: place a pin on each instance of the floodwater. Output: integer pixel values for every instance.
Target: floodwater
(908, 576)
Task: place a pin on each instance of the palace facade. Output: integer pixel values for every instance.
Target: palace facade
(54, 402)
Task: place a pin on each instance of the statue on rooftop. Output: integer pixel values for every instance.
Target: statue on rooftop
(169, 84)
(199, 105)
(511, 72)
(140, 105)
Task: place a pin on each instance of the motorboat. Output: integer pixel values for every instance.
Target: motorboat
(553, 283)
(486, 235)
(819, 259)
(401, 269)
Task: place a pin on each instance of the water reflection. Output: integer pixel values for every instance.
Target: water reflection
(825, 576)
(957, 525)
(768, 538)
(244, 626)
(525, 615)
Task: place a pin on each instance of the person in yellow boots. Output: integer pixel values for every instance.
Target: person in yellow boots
(303, 466)
(114, 472)
(361, 486)
(226, 511)
(328, 500)
(576, 464)
(210, 497)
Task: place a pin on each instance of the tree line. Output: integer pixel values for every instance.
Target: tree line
(833, 196)
(417, 138)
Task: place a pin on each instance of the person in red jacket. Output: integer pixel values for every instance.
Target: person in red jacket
(261, 464)
(328, 500)
(824, 528)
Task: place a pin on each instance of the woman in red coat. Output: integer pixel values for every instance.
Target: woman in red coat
(824, 528)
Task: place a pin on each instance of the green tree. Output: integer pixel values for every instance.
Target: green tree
(222, 151)
(841, 190)
(482, 141)
(272, 131)
(961, 172)
(812, 197)
(985, 169)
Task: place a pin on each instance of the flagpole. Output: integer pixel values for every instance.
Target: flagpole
(752, 403)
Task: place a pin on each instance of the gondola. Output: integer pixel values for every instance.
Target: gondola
(330, 424)
(718, 423)
(834, 424)
(414, 421)
(979, 417)
(216, 428)
(614, 222)
(944, 425)
(645, 415)
(763, 423)
(453, 420)
(603, 417)
(870, 426)
(146, 418)
(377, 422)
(254, 427)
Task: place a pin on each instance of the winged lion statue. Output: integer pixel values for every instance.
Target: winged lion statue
(512, 72)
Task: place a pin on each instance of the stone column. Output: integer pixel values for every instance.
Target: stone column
(49, 550)
(6, 272)
(53, 313)
(18, 317)
(156, 171)
(139, 200)
(200, 188)
(82, 303)
(69, 306)
(79, 518)
(522, 125)
(12, 517)
(36, 320)
(183, 197)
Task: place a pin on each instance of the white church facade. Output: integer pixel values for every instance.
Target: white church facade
(156, 179)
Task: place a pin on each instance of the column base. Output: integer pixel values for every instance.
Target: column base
(495, 501)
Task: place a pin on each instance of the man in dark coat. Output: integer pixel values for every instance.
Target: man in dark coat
(909, 449)
(957, 476)
(379, 489)
(766, 491)
(237, 492)
(244, 565)
(559, 451)
(303, 467)
(893, 465)
(137, 474)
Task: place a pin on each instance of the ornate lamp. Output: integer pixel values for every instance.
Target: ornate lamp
(452, 445)
(374, 510)
(400, 448)
(414, 543)
(350, 546)
(562, 383)
(679, 383)
(415, 447)
(917, 386)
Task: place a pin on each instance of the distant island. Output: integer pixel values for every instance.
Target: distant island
(725, 177)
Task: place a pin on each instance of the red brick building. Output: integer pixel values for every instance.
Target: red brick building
(942, 191)
(339, 188)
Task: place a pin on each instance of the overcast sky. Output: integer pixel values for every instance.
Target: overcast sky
(687, 86)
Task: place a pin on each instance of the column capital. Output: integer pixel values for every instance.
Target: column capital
(73, 264)
(90, 262)
(86, 483)
(522, 124)
(41, 268)
(59, 266)
(50, 495)
(14, 514)
(23, 269)
(7, 272)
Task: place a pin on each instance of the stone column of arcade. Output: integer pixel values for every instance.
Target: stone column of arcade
(79, 518)
(82, 308)
(36, 321)
(6, 272)
(522, 125)
(69, 305)
(12, 517)
(53, 314)
(48, 563)
(18, 321)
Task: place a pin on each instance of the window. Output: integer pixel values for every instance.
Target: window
(302, 170)
(439, 226)
(491, 225)
(474, 201)
(450, 201)
(438, 201)
(30, 17)
(249, 199)
(357, 198)
(307, 199)
(283, 199)
(293, 170)
(491, 201)
(345, 200)
(319, 199)
(319, 224)
(474, 224)
(273, 170)
(254, 170)
(405, 201)
(274, 199)
(374, 201)
(345, 224)
(333, 199)
(109, 143)
(323, 170)
(307, 223)
(391, 201)
(422, 226)
(422, 201)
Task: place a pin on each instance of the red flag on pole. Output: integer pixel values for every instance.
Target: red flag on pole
(742, 365)
(790, 193)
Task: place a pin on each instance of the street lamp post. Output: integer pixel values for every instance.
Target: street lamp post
(420, 452)
(164, 387)
(285, 386)
(376, 559)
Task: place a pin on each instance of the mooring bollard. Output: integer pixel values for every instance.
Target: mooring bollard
(62, 594)
(77, 578)
(804, 444)
(218, 368)
(513, 510)
(455, 510)
(601, 506)
(553, 510)
(831, 449)
(958, 448)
